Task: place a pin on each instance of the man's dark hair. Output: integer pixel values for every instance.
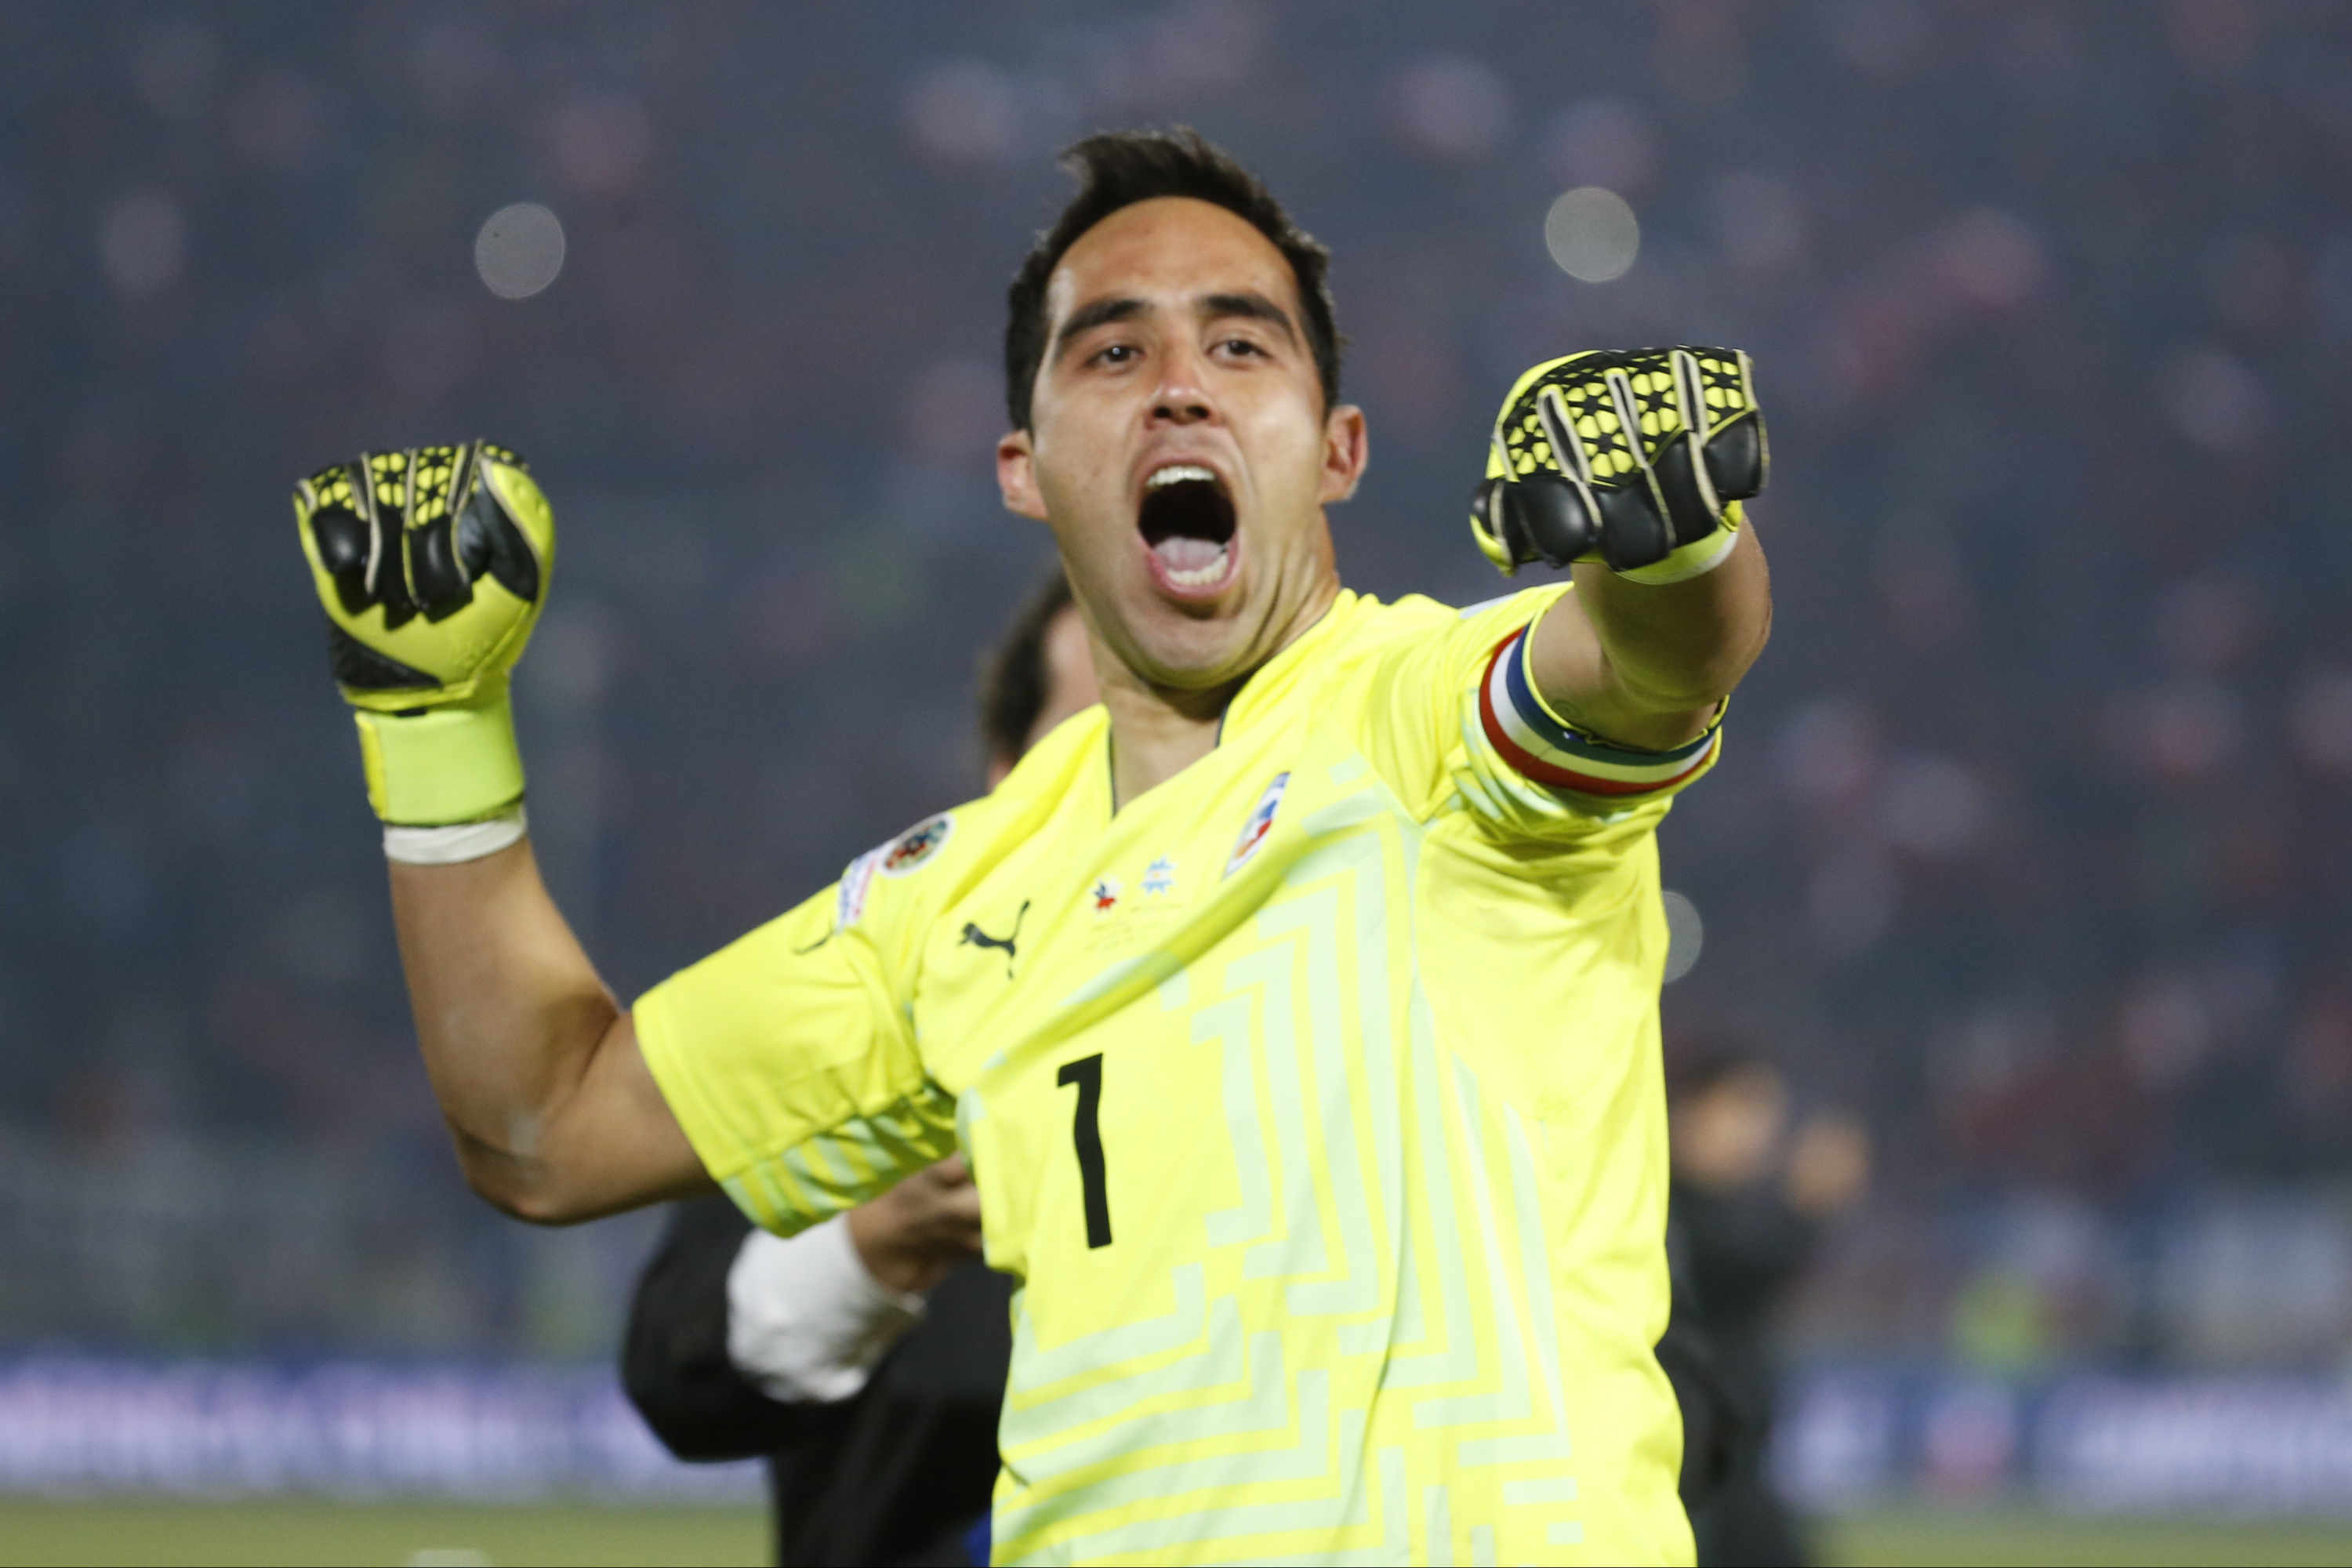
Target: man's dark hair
(1119, 168)
(1014, 677)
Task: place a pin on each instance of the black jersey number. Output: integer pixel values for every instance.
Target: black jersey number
(1086, 1131)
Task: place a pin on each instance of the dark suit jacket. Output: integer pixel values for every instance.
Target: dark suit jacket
(897, 1474)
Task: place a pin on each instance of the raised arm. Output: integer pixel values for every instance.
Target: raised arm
(1632, 465)
(431, 566)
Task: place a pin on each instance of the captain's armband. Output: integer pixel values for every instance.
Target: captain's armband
(1545, 748)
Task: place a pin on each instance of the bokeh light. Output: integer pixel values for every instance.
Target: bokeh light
(1592, 234)
(1685, 935)
(520, 250)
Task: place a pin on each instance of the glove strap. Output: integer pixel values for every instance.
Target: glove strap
(444, 765)
(1696, 559)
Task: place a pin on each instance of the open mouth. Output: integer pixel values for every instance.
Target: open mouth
(1188, 525)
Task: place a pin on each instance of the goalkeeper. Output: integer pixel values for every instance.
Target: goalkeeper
(1297, 1009)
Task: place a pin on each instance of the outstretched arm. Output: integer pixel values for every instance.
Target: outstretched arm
(1631, 465)
(555, 1116)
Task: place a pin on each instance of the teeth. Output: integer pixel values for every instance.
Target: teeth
(1177, 474)
(1199, 576)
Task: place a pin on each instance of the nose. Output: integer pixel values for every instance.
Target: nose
(1183, 396)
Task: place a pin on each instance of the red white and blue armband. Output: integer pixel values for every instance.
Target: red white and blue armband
(1546, 749)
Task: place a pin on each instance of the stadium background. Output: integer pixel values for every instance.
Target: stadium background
(2030, 843)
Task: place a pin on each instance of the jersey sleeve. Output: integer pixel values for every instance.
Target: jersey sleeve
(1467, 724)
(789, 1059)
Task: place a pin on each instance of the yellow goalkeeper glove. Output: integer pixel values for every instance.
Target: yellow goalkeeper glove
(432, 564)
(1565, 483)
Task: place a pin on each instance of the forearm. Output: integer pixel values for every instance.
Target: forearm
(1647, 665)
(515, 1025)
(1680, 646)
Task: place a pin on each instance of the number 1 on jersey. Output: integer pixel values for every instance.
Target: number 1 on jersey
(1086, 1131)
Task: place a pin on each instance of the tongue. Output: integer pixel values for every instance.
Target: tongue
(1178, 552)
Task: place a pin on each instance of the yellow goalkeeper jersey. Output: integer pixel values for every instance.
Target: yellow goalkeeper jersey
(1313, 1097)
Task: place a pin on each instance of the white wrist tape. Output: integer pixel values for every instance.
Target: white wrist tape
(450, 846)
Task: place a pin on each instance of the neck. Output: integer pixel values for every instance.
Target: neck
(1158, 731)
(1156, 734)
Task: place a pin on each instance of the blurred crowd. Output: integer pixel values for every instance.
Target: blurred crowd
(2028, 848)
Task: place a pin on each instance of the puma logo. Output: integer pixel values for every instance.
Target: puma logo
(976, 937)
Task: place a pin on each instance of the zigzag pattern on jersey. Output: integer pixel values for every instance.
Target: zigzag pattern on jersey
(1423, 1301)
(822, 1175)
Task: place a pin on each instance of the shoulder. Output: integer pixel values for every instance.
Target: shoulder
(1370, 623)
(1416, 626)
(1067, 755)
(929, 866)
(1491, 620)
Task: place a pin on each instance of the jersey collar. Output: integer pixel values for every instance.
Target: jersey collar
(1282, 675)
(1262, 693)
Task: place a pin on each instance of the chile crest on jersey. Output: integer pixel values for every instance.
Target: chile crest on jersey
(1260, 823)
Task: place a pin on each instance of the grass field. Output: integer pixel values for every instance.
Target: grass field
(2024, 1536)
(451, 1534)
(447, 1534)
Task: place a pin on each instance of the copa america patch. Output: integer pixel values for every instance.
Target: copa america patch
(908, 852)
(1260, 823)
(902, 855)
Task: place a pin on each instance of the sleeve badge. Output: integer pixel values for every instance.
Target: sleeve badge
(908, 852)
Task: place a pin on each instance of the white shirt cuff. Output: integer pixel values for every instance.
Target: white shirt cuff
(805, 1322)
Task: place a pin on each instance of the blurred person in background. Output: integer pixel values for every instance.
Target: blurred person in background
(866, 1357)
(1748, 1201)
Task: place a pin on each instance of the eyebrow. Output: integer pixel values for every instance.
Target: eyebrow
(1095, 313)
(1253, 306)
(1250, 305)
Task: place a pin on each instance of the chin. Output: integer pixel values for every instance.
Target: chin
(1190, 648)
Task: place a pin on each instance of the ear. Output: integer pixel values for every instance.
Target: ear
(1345, 452)
(1016, 475)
